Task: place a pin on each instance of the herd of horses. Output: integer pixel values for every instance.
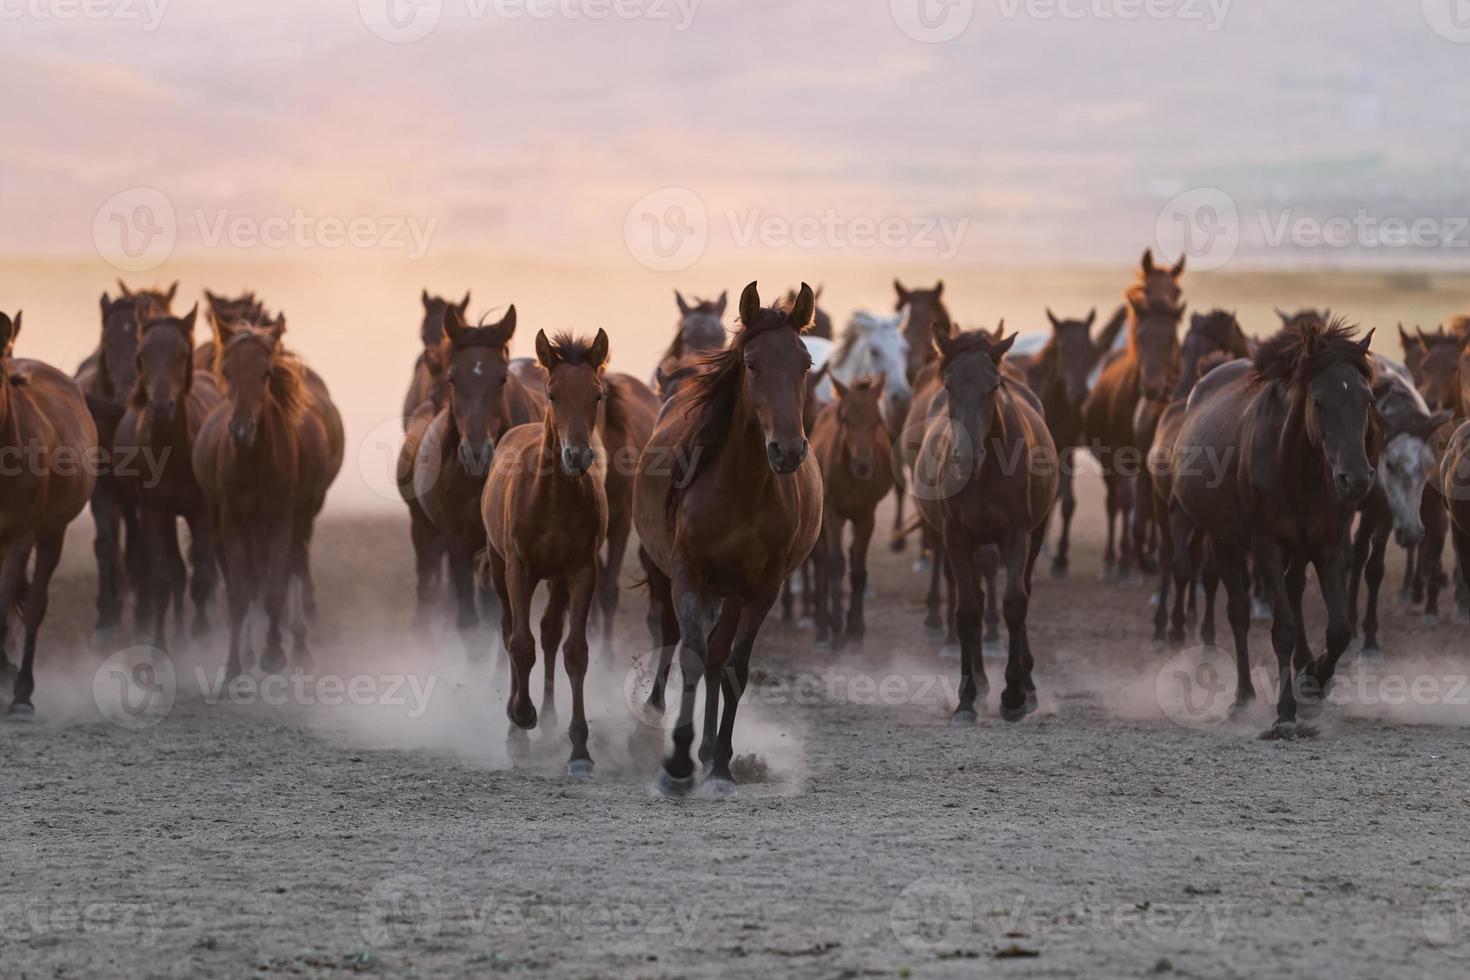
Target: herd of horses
(742, 464)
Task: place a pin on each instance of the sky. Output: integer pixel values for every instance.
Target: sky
(666, 131)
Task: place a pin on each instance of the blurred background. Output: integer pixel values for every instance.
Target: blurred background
(584, 158)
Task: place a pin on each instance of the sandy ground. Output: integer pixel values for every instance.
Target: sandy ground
(1119, 832)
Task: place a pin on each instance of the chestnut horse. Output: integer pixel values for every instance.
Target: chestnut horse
(47, 437)
(988, 467)
(921, 308)
(1147, 369)
(731, 523)
(1059, 374)
(428, 368)
(545, 516)
(1211, 338)
(265, 457)
(169, 403)
(1272, 460)
(446, 458)
(853, 449)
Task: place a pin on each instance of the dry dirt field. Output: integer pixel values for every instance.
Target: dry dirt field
(368, 820)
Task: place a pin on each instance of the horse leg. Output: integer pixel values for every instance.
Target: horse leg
(1296, 584)
(553, 622)
(1168, 561)
(661, 601)
(969, 615)
(608, 580)
(581, 585)
(135, 560)
(676, 777)
(300, 574)
(1431, 561)
(990, 559)
(1209, 582)
(951, 601)
(788, 599)
(1231, 566)
(48, 555)
(276, 572)
(1143, 510)
(1178, 555)
(1462, 553)
(201, 562)
(12, 578)
(1332, 580)
(462, 572)
(1375, 570)
(178, 571)
(822, 561)
(520, 587)
(1270, 566)
(933, 625)
(497, 580)
(157, 570)
(1062, 562)
(105, 547)
(1361, 544)
(836, 571)
(1016, 701)
(427, 563)
(897, 543)
(862, 537)
(239, 584)
(716, 661)
(733, 680)
(1110, 554)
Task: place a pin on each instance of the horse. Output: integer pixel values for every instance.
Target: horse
(428, 367)
(44, 421)
(821, 322)
(1060, 376)
(168, 404)
(729, 523)
(265, 458)
(853, 448)
(701, 331)
(106, 378)
(446, 458)
(231, 311)
(1444, 372)
(989, 469)
(1454, 489)
(1396, 500)
(876, 346)
(1146, 370)
(1273, 459)
(921, 308)
(1212, 338)
(625, 424)
(545, 514)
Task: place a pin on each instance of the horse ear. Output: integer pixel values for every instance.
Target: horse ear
(724, 301)
(903, 294)
(1178, 269)
(1368, 340)
(939, 289)
(223, 332)
(173, 291)
(1091, 318)
(507, 325)
(939, 333)
(7, 334)
(1003, 348)
(124, 287)
(424, 298)
(1405, 341)
(804, 309)
(189, 320)
(1285, 320)
(1055, 323)
(1110, 331)
(277, 328)
(838, 387)
(600, 349)
(1148, 262)
(545, 353)
(464, 304)
(454, 324)
(15, 327)
(106, 305)
(750, 305)
(683, 306)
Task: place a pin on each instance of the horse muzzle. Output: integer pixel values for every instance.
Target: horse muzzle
(576, 460)
(862, 468)
(475, 457)
(786, 456)
(162, 411)
(1408, 537)
(1352, 487)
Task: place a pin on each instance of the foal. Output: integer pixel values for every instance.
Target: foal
(853, 449)
(43, 418)
(545, 517)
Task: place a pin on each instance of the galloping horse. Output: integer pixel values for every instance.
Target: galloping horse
(169, 403)
(265, 457)
(446, 458)
(732, 523)
(545, 516)
(43, 421)
(428, 367)
(1146, 370)
(854, 450)
(990, 467)
(1444, 370)
(1059, 374)
(1292, 440)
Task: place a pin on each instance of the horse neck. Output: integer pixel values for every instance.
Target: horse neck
(9, 425)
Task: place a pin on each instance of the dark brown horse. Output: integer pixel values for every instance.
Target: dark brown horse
(987, 474)
(265, 457)
(1147, 370)
(1444, 373)
(46, 437)
(428, 367)
(1211, 337)
(1059, 374)
(446, 458)
(625, 425)
(545, 516)
(925, 307)
(853, 449)
(726, 527)
(1272, 461)
(1454, 488)
(169, 403)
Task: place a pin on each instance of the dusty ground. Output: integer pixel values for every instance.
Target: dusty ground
(1116, 833)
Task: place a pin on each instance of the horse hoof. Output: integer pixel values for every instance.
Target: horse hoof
(822, 646)
(1260, 611)
(1288, 731)
(579, 770)
(950, 651)
(1157, 645)
(21, 713)
(273, 662)
(933, 634)
(1370, 655)
(897, 545)
(1108, 574)
(720, 788)
(963, 718)
(993, 649)
(1431, 619)
(923, 567)
(1014, 707)
(673, 787)
(1058, 569)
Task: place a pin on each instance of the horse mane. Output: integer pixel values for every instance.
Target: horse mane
(1298, 353)
(972, 341)
(573, 350)
(287, 383)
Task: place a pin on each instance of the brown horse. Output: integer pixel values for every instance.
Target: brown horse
(988, 475)
(46, 438)
(1455, 490)
(701, 331)
(731, 523)
(1146, 371)
(1059, 374)
(428, 367)
(625, 425)
(170, 401)
(925, 307)
(264, 458)
(1211, 337)
(821, 321)
(446, 458)
(242, 310)
(545, 515)
(853, 449)
(1272, 460)
(1444, 382)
